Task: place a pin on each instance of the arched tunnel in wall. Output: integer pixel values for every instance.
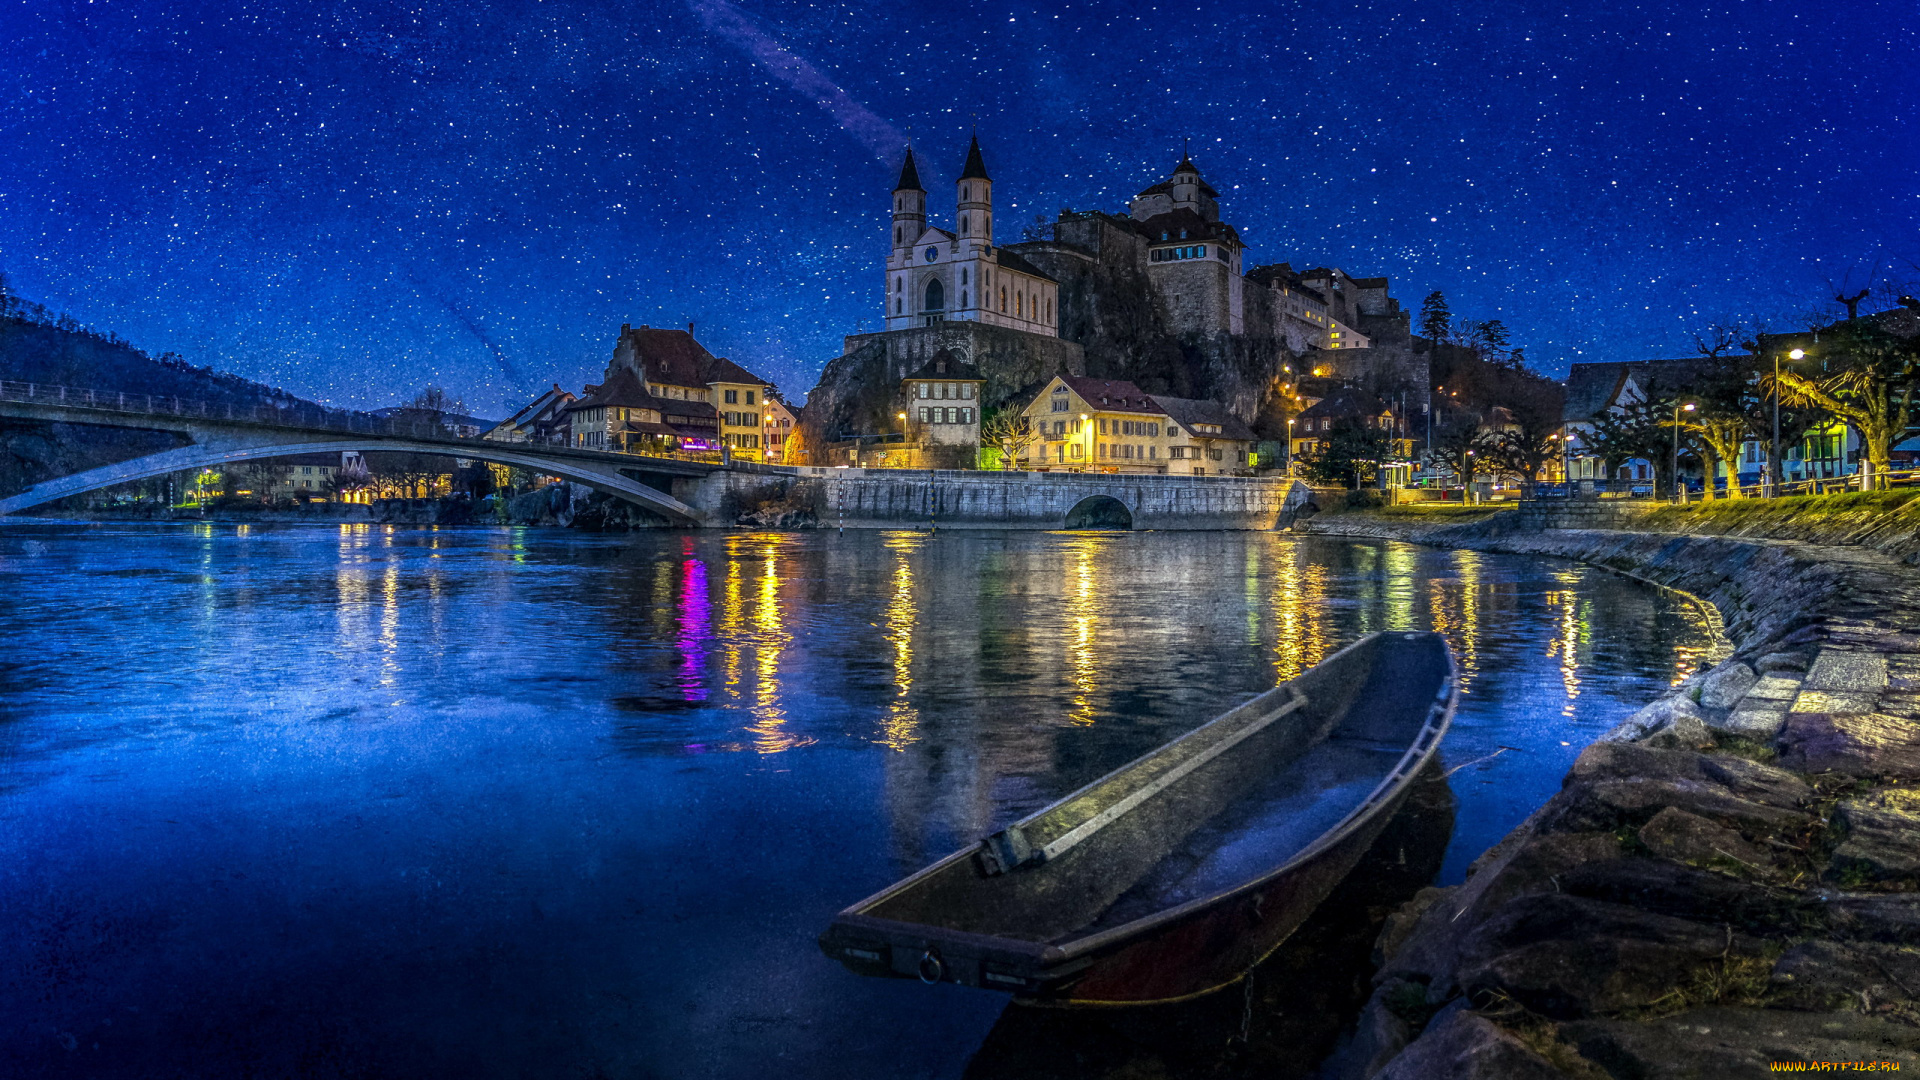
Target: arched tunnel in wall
(1099, 512)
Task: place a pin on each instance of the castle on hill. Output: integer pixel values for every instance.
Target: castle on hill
(1161, 296)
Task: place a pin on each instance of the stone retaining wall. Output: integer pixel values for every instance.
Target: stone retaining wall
(1725, 880)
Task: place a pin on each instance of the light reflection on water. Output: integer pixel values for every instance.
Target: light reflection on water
(522, 803)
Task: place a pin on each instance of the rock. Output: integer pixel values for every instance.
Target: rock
(1831, 975)
(1687, 731)
(1654, 717)
(1782, 661)
(1726, 685)
(1688, 838)
(1463, 1045)
(1723, 1041)
(1754, 718)
(1891, 920)
(1400, 925)
(1870, 744)
(1851, 672)
(1615, 784)
(1771, 687)
(1667, 888)
(1379, 1034)
(1529, 866)
(1881, 831)
(1567, 956)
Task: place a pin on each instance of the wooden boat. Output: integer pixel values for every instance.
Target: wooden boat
(1176, 874)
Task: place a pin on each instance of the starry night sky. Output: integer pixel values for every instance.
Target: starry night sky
(350, 200)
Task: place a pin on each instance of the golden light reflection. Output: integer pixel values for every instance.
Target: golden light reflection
(1399, 564)
(899, 728)
(1455, 605)
(1299, 613)
(732, 618)
(1570, 634)
(351, 588)
(770, 639)
(1708, 645)
(1083, 624)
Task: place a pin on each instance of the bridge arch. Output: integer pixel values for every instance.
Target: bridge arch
(601, 477)
(1099, 512)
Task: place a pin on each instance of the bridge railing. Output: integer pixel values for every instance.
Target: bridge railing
(299, 417)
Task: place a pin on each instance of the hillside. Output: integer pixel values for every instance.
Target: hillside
(38, 348)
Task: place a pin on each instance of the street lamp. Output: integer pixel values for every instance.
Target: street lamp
(1680, 493)
(1087, 430)
(1775, 471)
(1290, 445)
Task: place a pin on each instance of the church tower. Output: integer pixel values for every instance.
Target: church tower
(973, 221)
(909, 206)
(909, 222)
(975, 201)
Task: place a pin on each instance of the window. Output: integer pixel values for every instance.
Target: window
(920, 390)
(750, 394)
(732, 396)
(923, 413)
(963, 278)
(966, 391)
(1003, 298)
(1172, 432)
(1076, 450)
(936, 294)
(1103, 426)
(966, 416)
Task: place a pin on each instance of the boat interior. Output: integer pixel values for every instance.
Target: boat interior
(1229, 803)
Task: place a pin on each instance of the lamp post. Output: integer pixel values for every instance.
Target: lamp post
(1776, 470)
(1086, 428)
(1290, 445)
(1679, 493)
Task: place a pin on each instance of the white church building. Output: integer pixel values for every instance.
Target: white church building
(937, 275)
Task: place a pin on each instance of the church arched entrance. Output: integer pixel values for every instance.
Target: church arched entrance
(1099, 512)
(936, 296)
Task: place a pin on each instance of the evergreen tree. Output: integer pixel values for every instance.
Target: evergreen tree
(1350, 454)
(1436, 321)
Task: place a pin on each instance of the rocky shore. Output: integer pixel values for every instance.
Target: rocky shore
(1731, 877)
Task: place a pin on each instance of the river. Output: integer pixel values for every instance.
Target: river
(368, 801)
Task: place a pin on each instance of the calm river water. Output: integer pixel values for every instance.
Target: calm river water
(368, 801)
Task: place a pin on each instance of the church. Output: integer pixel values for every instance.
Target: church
(939, 275)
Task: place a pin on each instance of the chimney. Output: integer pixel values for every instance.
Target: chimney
(689, 329)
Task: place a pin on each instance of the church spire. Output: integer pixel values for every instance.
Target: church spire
(909, 175)
(976, 168)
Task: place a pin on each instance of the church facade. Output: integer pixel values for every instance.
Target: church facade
(937, 275)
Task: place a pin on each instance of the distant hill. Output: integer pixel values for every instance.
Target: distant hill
(37, 347)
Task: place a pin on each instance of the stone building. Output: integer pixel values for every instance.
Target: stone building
(942, 405)
(542, 420)
(1103, 425)
(672, 366)
(777, 422)
(1204, 438)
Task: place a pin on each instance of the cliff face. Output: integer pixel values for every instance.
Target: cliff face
(859, 392)
(1108, 306)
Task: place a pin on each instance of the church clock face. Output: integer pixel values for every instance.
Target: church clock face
(932, 254)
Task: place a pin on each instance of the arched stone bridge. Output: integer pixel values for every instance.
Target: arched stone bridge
(215, 435)
(683, 491)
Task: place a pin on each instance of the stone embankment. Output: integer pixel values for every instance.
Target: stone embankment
(1729, 878)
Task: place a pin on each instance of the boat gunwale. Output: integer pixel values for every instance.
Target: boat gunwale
(1439, 719)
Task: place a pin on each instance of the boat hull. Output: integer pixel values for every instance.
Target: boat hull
(991, 915)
